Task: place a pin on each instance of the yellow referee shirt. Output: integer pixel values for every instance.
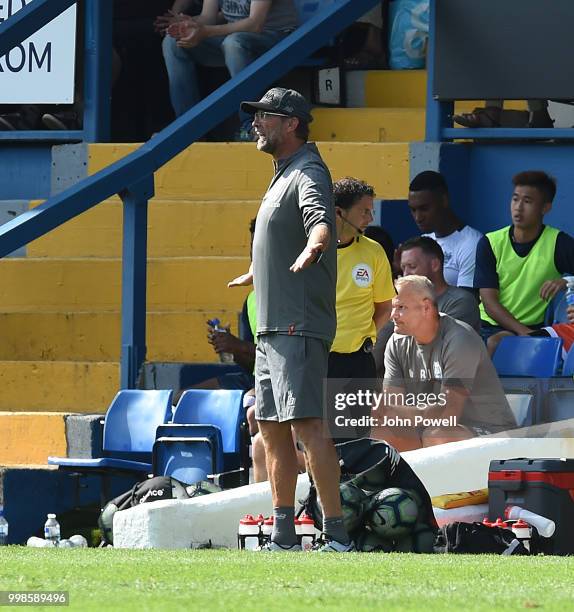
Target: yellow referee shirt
(363, 278)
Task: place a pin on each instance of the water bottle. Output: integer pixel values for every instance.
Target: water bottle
(545, 526)
(266, 529)
(307, 532)
(52, 530)
(3, 528)
(569, 290)
(249, 533)
(216, 324)
(521, 531)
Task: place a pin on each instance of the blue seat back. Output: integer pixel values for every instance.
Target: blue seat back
(528, 356)
(222, 408)
(132, 419)
(185, 461)
(189, 431)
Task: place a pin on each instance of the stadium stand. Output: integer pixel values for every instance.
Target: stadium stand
(61, 301)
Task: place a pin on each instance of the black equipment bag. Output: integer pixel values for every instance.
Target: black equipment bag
(476, 538)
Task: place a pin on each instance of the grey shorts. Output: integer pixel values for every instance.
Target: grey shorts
(289, 375)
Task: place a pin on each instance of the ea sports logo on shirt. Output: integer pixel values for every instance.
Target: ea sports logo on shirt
(362, 275)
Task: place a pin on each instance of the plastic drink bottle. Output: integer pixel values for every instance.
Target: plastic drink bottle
(248, 534)
(52, 530)
(3, 528)
(521, 532)
(545, 526)
(307, 532)
(216, 324)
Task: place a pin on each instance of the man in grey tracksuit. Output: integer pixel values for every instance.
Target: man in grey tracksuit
(294, 271)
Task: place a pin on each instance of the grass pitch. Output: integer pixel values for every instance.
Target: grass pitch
(107, 579)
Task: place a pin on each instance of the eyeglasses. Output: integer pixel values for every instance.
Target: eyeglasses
(264, 115)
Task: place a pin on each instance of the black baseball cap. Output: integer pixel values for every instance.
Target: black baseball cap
(287, 102)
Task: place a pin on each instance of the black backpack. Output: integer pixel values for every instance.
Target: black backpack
(476, 538)
(153, 489)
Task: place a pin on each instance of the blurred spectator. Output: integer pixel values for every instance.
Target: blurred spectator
(371, 55)
(429, 205)
(518, 267)
(494, 115)
(249, 29)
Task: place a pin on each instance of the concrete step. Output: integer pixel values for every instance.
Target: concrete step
(58, 386)
(94, 285)
(96, 336)
(176, 228)
(408, 89)
(368, 124)
(237, 171)
(30, 437)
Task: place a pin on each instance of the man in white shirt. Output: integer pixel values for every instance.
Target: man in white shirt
(429, 205)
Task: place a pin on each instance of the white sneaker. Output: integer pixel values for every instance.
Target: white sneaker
(334, 546)
(271, 546)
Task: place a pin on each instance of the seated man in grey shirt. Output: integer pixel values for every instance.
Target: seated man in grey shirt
(424, 256)
(440, 385)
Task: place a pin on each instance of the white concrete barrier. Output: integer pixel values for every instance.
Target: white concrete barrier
(449, 468)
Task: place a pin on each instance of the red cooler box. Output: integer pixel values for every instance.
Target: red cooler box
(543, 486)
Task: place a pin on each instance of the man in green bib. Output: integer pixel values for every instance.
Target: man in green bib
(519, 267)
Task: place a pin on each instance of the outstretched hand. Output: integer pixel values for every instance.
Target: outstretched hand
(244, 280)
(308, 256)
(551, 287)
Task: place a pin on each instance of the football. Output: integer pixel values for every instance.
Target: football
(392, 513)
(354, 502)
(421, 540)
(367, 541)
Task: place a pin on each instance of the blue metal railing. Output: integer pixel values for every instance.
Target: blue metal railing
(439, 123)
(132, 177)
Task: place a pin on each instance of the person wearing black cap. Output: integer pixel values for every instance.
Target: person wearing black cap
(294, 271)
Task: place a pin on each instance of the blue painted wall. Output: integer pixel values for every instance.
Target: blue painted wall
(25, 171)
(480, 180)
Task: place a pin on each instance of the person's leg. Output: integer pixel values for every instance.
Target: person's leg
(281, 463)
(539, 116)
(258, 458)
(182, 71)
(242, 48)
(324, 465)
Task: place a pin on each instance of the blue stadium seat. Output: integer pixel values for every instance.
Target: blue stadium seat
(559, 405)
(129, 432)
(528, 356)
(186, 459)
(170, 440)
(221, 408)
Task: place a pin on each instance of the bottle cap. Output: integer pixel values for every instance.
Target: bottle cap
(520, 524)
(269, 521)
(486, 522)
(500, 523)
(51, 516)
(260, 518)
(248, 520)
